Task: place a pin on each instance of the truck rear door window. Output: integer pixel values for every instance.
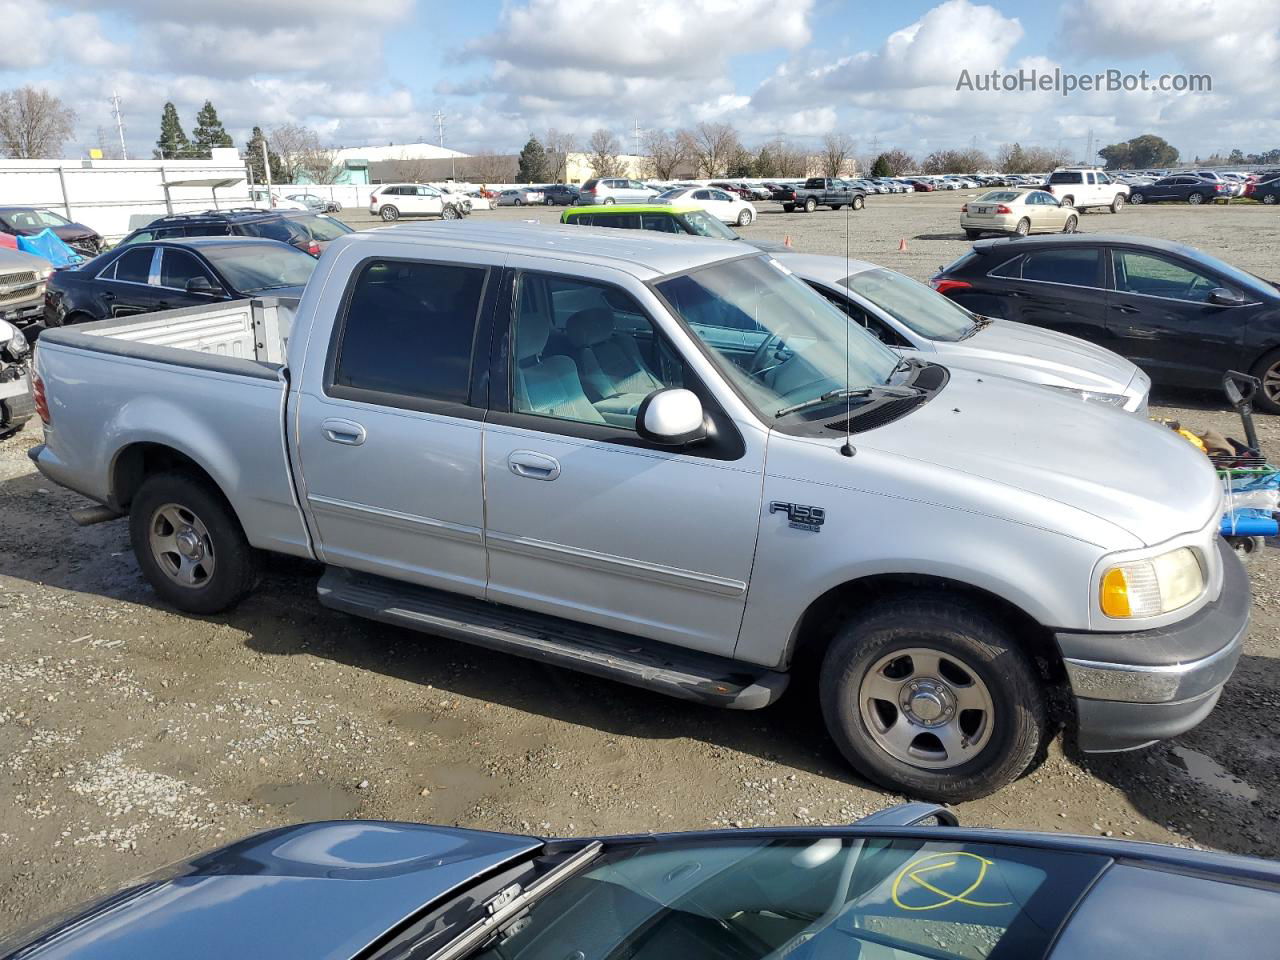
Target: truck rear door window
(409, 330)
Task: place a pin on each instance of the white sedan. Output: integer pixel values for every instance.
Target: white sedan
(719, 203)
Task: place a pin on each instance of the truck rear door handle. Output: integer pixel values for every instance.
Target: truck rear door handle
(533, 466)
(343, 431)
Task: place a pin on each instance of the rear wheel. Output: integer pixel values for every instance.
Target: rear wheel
(931, 697)
(1023, 227)
(858, 203)
(1117, 203)
(810, 205)
(389, 213)
(788, 208)
(1072, 223)
(608, 201)
(1068, 201)
(190, 545)
(744, 218)
(1196, 198)
(973, 234)
(1269, 198)
(1268, 371)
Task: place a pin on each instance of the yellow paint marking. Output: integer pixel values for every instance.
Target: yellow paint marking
(914, 870)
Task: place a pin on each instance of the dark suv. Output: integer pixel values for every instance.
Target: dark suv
(301, 228)
(560, 195)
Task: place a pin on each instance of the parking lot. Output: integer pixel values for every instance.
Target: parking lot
(133, 736)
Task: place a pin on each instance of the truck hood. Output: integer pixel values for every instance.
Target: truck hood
(1140, 477)
(1013, 349)
(320, 891)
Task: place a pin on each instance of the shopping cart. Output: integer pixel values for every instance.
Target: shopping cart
(1251, 483)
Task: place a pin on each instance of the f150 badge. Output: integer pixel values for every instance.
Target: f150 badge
(800, 516)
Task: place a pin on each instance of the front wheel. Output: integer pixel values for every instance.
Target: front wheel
(1269, 198)
(190, 545)
(1137, 198)
(858, 203)
(930, 697)
(1072, 223)
(810, 205)
(745, 218)
(449, 213)
(1117, 203)
(1267, 370)
(389, 213)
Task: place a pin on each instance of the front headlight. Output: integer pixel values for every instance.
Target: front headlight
(17, 348)
(1148, 588)
(1091, 396)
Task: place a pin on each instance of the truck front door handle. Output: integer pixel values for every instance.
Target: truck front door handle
(533, 466)
(343, 431)
(1124, 309)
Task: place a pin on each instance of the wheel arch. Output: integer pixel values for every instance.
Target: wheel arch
(820, 621)
(137, 461)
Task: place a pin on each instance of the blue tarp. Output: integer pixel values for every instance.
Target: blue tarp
(47, 244)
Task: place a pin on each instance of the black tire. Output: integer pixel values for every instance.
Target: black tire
(1073, 222)
(745, 217)
(1196, 199)
(1269, 198)
(810, 205)
(520, 203)
(858, 203)
(955, 629)
(788, 208)
(1137, 198)
(1117, 203)
(608, 201)
(973, 234)
(389, 213)
(1267, 399)
(235, 567)
(1069, 201)
(836, 206)
(450, 212)
(1023, 228)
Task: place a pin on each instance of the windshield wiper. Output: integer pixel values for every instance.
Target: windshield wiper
(826, 398)
(904, 363)
(979, 323)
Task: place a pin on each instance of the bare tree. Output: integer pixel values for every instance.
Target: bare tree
(837, 148)
(793, 161)
(898, 161)
(713, 146)
(34, 123)
(490, 168)
(291, 142)
(319, 163)
(602, 151)
(667, 153)
(558, 146)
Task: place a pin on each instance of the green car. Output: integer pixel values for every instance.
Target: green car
(662, 217)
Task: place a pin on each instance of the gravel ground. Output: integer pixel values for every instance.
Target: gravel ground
(131, 736)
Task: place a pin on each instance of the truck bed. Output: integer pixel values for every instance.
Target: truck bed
(207, 382)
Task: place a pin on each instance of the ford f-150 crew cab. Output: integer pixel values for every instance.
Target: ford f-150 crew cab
(666, 461)
(821, 192)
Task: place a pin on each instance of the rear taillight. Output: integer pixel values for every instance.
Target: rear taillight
(942, 286)
(373, 198)
(313, 248)
(1002, 209)
(964, 208)
(41, 401)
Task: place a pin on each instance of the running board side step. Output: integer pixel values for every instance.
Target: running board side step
(663, 668)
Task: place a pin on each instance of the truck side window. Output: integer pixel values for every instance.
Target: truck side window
(409, 328)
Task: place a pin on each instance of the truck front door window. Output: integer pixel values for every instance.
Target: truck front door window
(408, 330)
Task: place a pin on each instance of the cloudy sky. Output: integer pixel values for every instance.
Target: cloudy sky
(884, 73)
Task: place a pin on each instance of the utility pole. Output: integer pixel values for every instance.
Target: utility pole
(1088, 157)
(115, 112)
(439, 118)
(635, 152)
(266, 169)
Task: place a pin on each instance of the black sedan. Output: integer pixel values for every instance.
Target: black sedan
(1183, 188)
(28, 221)
(168, 274)
(886, 887)
(1268, 191)
(1181, 315)
(559, 195)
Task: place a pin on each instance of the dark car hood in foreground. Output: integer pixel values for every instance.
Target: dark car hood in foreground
(321, 891)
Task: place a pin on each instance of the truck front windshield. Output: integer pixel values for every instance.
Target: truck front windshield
(782, 344)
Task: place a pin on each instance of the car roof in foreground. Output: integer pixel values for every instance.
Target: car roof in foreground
(645, 254)
(616, 208)
(821, 267)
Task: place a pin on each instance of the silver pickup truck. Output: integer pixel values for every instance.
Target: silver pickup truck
(669, 462)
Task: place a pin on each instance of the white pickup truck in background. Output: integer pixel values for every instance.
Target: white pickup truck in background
(1086, 188)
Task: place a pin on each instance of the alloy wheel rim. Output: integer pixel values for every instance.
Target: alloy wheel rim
(181, 546)
(926, 708)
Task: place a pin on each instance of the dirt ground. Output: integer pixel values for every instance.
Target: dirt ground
(131, 735)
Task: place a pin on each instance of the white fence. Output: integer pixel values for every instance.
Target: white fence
(110, 195)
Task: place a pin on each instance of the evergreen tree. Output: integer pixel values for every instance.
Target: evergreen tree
(253, 157)
(208, 132)
(532, 166)
(881, 167)
(173, 143)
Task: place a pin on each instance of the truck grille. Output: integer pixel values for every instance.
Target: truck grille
(15, 287)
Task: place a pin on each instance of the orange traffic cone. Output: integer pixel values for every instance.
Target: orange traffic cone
(902, 245)
(786, 240)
